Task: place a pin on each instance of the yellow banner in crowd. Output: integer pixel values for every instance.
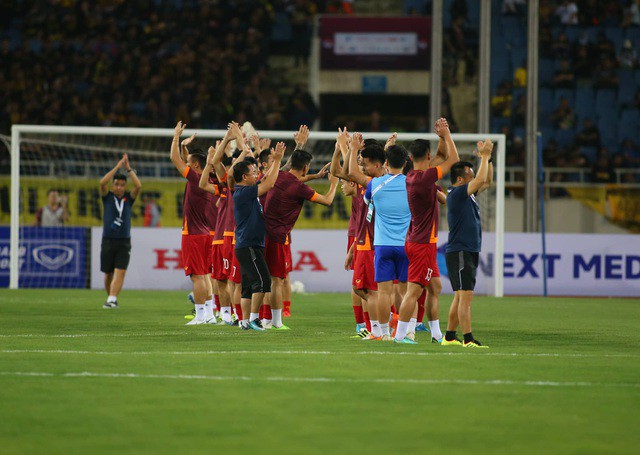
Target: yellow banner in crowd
(618, 204)
(85, 204)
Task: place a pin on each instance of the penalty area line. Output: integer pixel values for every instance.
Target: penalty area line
(494, 382)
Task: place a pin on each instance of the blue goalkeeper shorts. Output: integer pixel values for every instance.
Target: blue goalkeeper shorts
(390, 263)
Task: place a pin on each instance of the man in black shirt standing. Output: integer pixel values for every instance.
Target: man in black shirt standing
(250, 233)
(116, 233)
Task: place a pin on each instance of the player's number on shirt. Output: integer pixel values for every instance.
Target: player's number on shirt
(429, 273)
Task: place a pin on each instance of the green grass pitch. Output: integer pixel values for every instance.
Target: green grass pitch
(561, 376)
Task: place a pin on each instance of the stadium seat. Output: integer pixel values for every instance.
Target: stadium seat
(519, 132)
(615, 34)
(518, 56)
(633, 34)
(546, 72)
(566, 93)
(607, 125)
(545, 101)
(281, 29)
(547, 133)
(585, 106)
(590, 153)
(630, 116)
(627, 88)
(605, 99)
(564, 138)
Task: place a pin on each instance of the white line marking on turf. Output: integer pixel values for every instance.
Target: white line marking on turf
(500, 382)
(276, 352)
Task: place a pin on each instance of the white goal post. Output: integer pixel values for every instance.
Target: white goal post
(18, 130)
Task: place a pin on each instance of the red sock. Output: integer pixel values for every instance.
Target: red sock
(421, 306)
(266, 311)
(287, 304)
(261, 312)
(238, 311)
(357, 312)
(393, 309)
(367, 321)
(217, 300)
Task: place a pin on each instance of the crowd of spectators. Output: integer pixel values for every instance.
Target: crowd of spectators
(146, 63)
(579, 55)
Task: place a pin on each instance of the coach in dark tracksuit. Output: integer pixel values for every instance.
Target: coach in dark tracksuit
(115, 250)
(250, 233)
(465, 239)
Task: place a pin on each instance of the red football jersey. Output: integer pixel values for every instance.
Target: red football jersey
(194, 205)
(283, 205)
(364, 228)
(351, 231)
(212, 209)
(423, 203)
(222, 212)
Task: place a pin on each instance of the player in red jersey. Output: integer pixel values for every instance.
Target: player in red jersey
(196, 245)
(283, 205)
(350, 189)
(372, 165)
(422, 237)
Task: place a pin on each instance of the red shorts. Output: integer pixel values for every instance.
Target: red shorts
(234, 272)
(219, 271)
(196, 254)
(363, 271)
(278, 257)
(423, 262)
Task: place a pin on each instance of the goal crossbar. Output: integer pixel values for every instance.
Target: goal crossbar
(18, 130)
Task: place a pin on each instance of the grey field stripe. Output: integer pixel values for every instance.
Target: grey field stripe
(492, 382)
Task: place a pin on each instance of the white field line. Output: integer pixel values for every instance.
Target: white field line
(310, 353)
(497, 382)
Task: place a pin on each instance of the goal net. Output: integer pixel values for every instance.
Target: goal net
(51, 217)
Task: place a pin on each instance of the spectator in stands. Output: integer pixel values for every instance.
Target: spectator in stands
(603, 172)
(501, 101)
(546, 41)
(562, 47)
(455, 44)
(565, 76)
(152, 211)
(520, 75)
(591, 12)
(546, 12)
(604, 48)
(631, 152)
(583, 66)
(375, 123)
(55, 213)
(631, 15)
(514, 7)
(568, 13)
(589, 136)
(605, 75)
(520, 111)
(628, 57)
(301, 13)
(563, 117)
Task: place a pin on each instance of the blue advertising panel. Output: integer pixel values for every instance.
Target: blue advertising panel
(50, 257)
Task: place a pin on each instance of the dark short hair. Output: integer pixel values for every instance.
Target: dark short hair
(200, 157)
(457, 170)
(368, 142)
(264, 156)
(120, 176)
(408, 167)
(240, 169)
(373, 153)
(251, 160)
(300, 158)
(226, 160)
(419, 148)
(396, 156)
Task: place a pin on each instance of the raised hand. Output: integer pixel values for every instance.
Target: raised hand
(357, 142)
(324, 171)
(391, 141)
(212, 152)
(442, 127)
(301, 136)
(343, 137)
(265, 144)
(177, 131)
(125, 158)
(278, 152)
(485, 148)
(188, 140)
